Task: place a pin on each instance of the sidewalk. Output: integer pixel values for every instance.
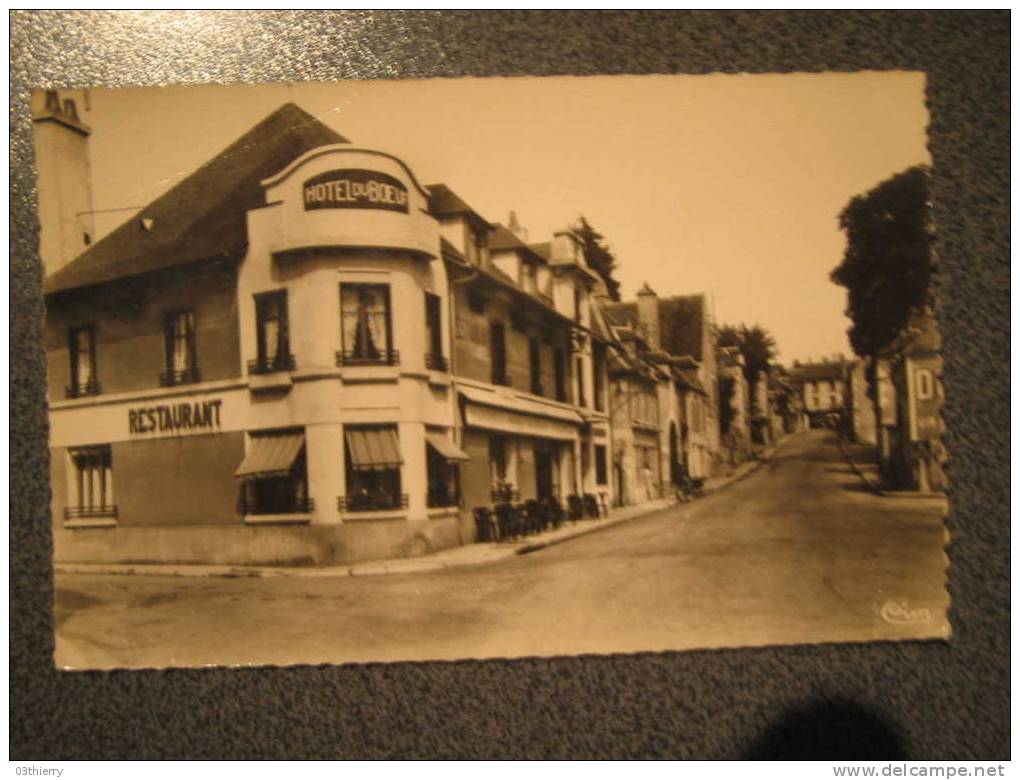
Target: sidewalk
(869, 474)
(466, 555)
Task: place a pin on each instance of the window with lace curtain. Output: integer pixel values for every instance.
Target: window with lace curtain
(366, 332)
(181, 359)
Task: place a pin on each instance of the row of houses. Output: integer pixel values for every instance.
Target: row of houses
(300, 354)
(893, 403)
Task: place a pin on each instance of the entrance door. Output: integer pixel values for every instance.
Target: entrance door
(543, 472)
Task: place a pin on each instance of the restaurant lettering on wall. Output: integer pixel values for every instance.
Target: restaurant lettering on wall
(175, 418)
(355, 188)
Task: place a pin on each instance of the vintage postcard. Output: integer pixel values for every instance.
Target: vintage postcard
(488, 368)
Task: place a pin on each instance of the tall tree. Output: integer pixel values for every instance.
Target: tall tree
(888, 262)
(755, 343)
(597, 254)
(886, 269)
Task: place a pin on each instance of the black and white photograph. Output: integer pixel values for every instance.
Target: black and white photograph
(376, 371)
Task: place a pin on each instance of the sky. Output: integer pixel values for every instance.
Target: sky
(729, 185)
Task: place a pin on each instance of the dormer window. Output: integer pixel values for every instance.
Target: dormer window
(474, 245)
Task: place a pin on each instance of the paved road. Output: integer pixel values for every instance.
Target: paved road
(795, 553)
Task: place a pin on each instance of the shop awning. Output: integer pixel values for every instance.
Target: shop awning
(271, 455)
(373, 448)
(515, 415)
(445, 447)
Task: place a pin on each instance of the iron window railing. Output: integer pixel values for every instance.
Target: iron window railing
(372, 503)
(291, 505)
(436, 362)
(186, 376)
(89, 388)
(267, 365)
(86, 512)
(387, 357)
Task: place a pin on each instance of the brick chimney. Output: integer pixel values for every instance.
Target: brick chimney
(515, 227)
(648, 315)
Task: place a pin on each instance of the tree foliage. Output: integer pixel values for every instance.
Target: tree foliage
(597, 254)
(888, 264)
(755, 343)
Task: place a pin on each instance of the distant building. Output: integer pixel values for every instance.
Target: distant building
(638, 468)
(734, 407)
(680, 327)
(784, 403)
(824, 390)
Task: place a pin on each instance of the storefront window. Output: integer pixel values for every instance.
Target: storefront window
(443, 478)
(372, 459)
(82, 345)
(365, 324)
(181, 359)
(275, 474)
(91, 484)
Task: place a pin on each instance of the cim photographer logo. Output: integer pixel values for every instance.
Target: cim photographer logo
(903, 612)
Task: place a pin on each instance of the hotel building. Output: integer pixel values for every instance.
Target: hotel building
(300, 354)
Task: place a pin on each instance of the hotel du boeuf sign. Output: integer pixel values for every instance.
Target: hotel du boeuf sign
(355, 188)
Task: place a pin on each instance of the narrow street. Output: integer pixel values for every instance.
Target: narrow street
(798, 552)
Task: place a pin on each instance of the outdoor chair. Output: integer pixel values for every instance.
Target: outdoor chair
(509, 521)
(486, 526)
(575, 507)
(553, 511)
(536, 514)
(591, 506)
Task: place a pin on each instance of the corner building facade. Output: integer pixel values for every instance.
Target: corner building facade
(300, 355)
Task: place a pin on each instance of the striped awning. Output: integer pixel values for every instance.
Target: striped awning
(373, 448)
(271, 455)
(445, 447)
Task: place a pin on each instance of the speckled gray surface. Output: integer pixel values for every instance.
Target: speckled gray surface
(886, 700)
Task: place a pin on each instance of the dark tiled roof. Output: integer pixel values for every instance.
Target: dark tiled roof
(815, 372)
(445, 202)
(681, 322)
(451, 252)
(543, 249)
(204, 215)
(624, 314)
(502, 239)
